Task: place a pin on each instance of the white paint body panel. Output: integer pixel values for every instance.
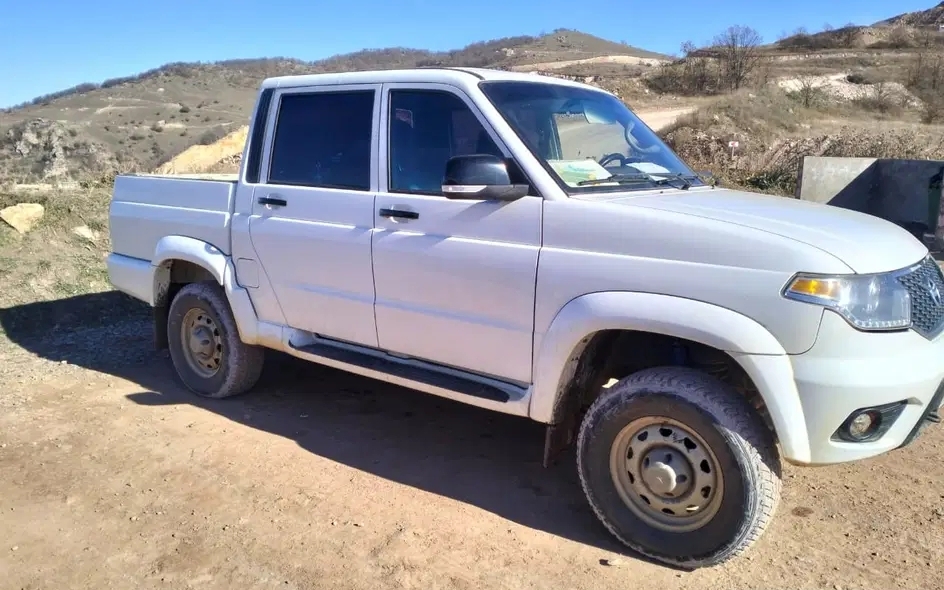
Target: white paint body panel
(833, 230)
(145, 209)
(846, 370)
(316, 249)
(506, 291)
(456, 285)
(326, 285)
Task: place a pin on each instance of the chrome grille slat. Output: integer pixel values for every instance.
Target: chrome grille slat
(927, 313)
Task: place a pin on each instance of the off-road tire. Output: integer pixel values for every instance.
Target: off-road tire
(744, 446)
(241, 363)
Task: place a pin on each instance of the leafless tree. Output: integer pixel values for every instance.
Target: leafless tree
(696, 70)
(739, 53)
(847, 35)
(926, 72)
(933, 109)
(900, 37)
(809, 91)
(881, 99)
(764, 72)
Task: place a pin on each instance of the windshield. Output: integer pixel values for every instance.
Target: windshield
(589, 140)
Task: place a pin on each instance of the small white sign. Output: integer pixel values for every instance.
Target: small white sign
(733, 144)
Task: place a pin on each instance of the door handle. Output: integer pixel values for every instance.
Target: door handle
(399, 213)
(273, 201)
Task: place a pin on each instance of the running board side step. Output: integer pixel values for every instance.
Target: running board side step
(414, 374)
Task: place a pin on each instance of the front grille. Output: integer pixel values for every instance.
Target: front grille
(925, 284)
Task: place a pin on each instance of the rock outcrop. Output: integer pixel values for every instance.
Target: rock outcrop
(23, 216)
(52, 151)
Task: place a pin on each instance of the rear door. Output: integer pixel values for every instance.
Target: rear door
(455, 279)
(313, 212)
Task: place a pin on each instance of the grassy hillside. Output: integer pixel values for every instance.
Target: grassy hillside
(140, 121)
(854, 91)
(853, 75)
(873, 91)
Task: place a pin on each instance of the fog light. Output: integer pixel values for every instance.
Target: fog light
(869, 424)
(864, 424)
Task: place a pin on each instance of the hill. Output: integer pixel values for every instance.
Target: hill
(141, 121)
(924, 18)
(172, 117)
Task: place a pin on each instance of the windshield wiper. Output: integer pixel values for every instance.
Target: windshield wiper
(619, 178)
(658, 179)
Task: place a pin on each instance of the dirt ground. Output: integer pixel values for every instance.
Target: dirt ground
(114, 477)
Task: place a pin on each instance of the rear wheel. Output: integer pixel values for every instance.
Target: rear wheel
(679, 467)
(204, 343)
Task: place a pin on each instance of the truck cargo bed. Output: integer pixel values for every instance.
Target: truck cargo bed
(147, 207)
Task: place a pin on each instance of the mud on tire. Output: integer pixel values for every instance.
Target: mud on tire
(204, 343)
(675, 425)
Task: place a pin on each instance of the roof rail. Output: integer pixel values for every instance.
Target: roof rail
(453, 68)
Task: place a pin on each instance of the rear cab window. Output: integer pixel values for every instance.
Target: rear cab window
(323, 139)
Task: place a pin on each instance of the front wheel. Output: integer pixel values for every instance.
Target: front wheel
(204, 343)
(679, 467)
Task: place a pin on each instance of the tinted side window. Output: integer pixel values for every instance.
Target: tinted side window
(427, 127)
(323, 140)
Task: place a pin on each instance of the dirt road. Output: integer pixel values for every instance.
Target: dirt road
(580, 140)
(662, 118)
(113, 477)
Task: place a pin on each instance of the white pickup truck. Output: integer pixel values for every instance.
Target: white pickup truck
(527, 245)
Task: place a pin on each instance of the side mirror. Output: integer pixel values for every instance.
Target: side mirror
(480, 177)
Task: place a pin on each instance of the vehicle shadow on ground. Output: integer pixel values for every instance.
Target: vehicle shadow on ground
(474, 456)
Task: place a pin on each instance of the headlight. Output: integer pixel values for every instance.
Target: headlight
(868, 302)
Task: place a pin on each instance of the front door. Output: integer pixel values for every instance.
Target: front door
(454, 279)
(313, 215)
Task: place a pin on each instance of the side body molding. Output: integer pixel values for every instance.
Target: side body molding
(748, 342)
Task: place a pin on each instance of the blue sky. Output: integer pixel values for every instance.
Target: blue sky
(48, 45)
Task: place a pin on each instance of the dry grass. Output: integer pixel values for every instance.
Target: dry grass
(776, 130)
(144, 120)
(52, 261)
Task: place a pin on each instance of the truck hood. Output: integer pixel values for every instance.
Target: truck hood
(865, 243)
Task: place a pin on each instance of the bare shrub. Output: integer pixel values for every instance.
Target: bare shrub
(809, 93)
(862, 78)
(926, 72)
(212, 135)
(693, 75)
(828, 38)
(774, 141)
(900, 38)
(880, 100)
(848, 35)
(933, 110)
(739, 54)
(728, 64)
(764, 72)
(925, 79)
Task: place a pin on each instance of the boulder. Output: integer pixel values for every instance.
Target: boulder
(86, 233)
(23, 217)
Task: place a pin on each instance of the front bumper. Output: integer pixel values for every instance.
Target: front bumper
(847, 370)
